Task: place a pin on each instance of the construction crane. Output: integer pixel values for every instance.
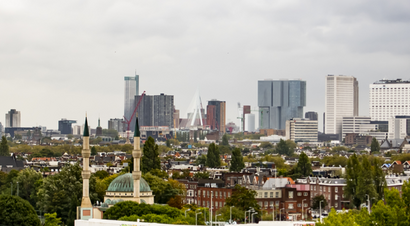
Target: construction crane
(128, 121)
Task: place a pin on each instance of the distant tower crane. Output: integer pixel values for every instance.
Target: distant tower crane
(128, 121)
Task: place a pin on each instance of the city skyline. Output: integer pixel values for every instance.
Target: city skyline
(221, 48)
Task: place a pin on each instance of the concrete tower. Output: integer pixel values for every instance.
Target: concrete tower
(136, 154)
(86, 206)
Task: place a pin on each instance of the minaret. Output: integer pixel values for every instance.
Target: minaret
(86, 206)
(136, 154)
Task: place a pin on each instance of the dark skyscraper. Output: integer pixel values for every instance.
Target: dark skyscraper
(65, 126)
(157, 110)
(216, 115)
(280, 100)
(311, 115)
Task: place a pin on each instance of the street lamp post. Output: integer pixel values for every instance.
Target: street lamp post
(251, 210)
(280, 214)
(320, 208)
(302, 209)
(368, 203)
(273, 212)
(306, 212)
(196, 217)
(216, 217)
(230, 214)
(210, 217)
(252, 217)
(186, 210)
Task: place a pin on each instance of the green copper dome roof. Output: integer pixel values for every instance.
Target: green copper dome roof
(125, 183)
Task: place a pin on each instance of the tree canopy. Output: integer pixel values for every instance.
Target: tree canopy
(4, 147)
(375, 146)
(284, 148)
(243, 199)
(237, 161)
(61, 193)
(150, 159)
(304, 167)
(17, 211)
(213, 159)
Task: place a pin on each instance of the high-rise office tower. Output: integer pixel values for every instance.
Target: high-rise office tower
(13, 118)
(65, 126)
(131, 89)
(311, 115)
(389, 98)
(341, 100)
(117, 124)
(280, 100)
(216, 115)
(246, 110)
(157, 110)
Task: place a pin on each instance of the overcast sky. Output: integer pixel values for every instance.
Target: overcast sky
(60, 59)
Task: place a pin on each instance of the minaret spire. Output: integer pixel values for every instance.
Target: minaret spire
(136, 154)
(86, 206)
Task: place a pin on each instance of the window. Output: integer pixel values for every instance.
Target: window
(305, 204)
(321, 188)
(336, 189)
(216, 204)
(266, 195)
(260, 204)
(207, 194)
(299, 205)
(299, 193)
(216, 193)
(220, 194)
(305, 193)
(328, 189)
(336, 197)
(203, 203)
(290, 206)
(277, 203)
(224, 195)
(260, 194)
(336, 205)
(271, 194)
(229, 194)
(277, 194)
(271, 203)
(207, 204)
(220, 204)
(266, 204)
(290, 194)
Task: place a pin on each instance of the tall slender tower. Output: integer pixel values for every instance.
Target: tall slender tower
(136, 154)
(86, 206)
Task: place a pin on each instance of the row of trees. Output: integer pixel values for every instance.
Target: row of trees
(394, 210)
(364, 176)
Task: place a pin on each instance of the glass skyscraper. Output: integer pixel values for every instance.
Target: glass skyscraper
(280, 100)
(131, 89)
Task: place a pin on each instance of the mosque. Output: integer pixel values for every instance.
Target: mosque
(127, 187)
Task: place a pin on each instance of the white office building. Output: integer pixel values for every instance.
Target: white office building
(357, 124)
(13, 118)
(341, 100)
(301, 130)
(389, 98)
(398, 127)
(249, 123)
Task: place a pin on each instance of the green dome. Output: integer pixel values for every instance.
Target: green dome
(125, 183)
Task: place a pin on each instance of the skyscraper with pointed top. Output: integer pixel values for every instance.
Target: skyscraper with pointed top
(86, 206)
